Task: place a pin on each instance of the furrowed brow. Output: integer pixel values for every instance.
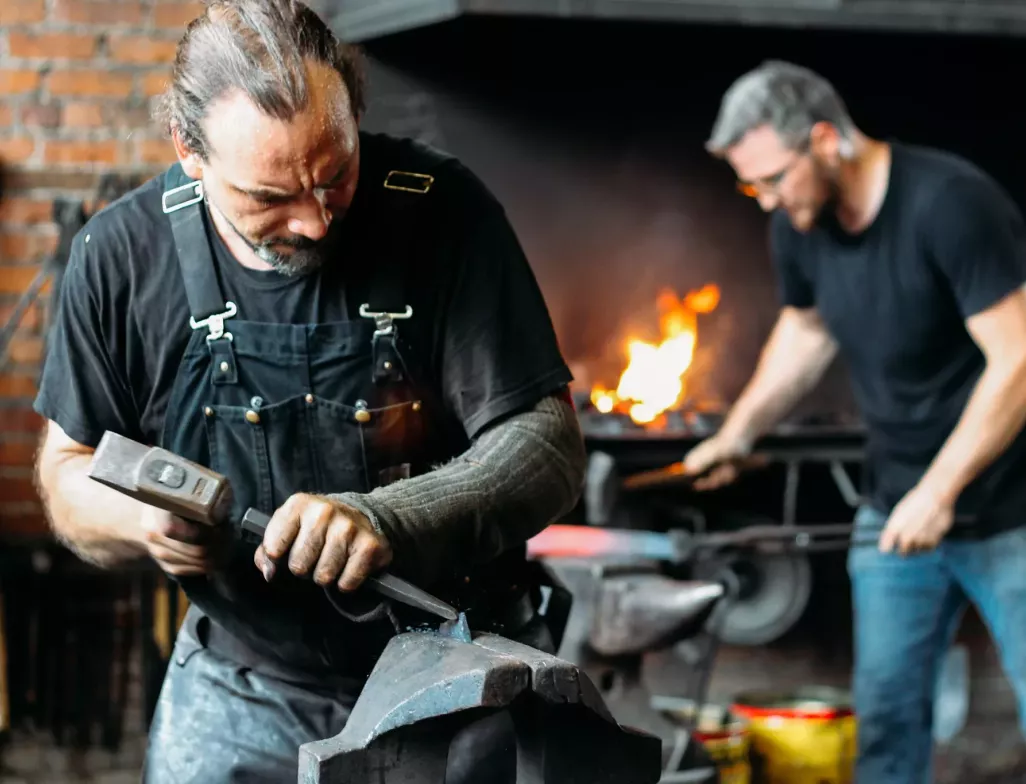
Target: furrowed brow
(274, 194)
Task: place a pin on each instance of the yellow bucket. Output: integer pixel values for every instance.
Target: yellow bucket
(728, 747)
(724, 737)
(803, 737)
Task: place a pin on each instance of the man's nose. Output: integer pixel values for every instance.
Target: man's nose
(767, 201)
(311, 218)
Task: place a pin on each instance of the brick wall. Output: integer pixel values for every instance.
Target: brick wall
(77, 83)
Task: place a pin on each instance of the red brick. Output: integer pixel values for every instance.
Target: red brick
(82, 115)
(24, 351)
(6, 115)
(18, 209)
(18, 81)
(41, 115)
(30, 319)
(20, 452)
(14, 12)
(127, 116)
(17, 149)
(18, 523)
(23, 246)
(89, 12)
(176, 14)
(51, 46)
(33, 179)
(16, 419)
(155, 151)
(17, 489)
(155, 82)
(84, 83)
(14, 280)
(80, 152)
(16, 385)
(141, 50)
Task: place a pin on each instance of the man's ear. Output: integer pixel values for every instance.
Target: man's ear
(826, 142)
(192, 164)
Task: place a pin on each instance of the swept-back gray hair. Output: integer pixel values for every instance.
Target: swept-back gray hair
(258, 47)
(787, 97)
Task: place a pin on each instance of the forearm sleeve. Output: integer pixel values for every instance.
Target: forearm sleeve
(516, 478)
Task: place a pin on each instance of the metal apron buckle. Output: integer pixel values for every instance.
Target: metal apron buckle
(173, 205)
(215, 323)
(383, 320)
(410, 182)
(386, 358)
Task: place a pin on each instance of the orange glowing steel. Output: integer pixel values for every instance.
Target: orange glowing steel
(653, 381)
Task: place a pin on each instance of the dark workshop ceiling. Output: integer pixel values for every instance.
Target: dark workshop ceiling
(363, 20)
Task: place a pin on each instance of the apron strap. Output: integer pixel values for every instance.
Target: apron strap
(182, 202)
(401, 224)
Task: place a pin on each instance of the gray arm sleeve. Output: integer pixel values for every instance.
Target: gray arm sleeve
(516, 478)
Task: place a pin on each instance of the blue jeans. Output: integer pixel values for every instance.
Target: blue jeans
(907, 610)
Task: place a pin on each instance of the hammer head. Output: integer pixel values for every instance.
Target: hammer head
(162, 479)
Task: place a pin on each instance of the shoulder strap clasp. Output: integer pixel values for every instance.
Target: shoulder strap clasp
(215, 323)
(182, 196)
(411, 182)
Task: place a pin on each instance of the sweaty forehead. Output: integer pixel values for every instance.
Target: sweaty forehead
(254, 145)
(759, 154)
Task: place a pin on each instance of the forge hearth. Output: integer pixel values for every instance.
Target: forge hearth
(635, 446)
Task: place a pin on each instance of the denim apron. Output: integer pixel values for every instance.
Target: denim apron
(282, 409)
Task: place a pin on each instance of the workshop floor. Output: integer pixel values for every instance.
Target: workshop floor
(990, 748)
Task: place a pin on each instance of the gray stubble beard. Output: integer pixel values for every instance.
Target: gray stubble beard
(299, 262)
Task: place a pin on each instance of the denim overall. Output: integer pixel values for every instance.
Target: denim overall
(281, 409)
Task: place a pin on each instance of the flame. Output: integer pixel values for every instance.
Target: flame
(653, 381)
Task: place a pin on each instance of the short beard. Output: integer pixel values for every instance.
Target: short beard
(306, 256)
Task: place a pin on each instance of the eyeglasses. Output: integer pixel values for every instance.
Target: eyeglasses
(770, 184)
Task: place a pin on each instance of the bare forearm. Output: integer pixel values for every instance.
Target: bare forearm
(100, 525)
(792, 363)
(766, 400)
(517, 478)
(992, 418)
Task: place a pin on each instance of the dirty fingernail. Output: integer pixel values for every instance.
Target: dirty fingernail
(268, 570)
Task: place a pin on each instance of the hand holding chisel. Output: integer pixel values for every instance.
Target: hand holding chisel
(193, 492)
(254, 522)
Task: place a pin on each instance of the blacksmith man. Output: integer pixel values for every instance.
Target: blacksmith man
(225, 311)
(910, 263)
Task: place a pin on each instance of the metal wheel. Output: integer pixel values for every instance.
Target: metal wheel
(775, 592)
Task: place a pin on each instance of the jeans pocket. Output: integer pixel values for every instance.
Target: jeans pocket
(868, 526)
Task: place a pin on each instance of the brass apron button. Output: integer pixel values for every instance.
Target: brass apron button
(416, 405)
(386, 365)
(224, 367)
(208, 411)
(362, 416)
(252, 417)
(309, 398)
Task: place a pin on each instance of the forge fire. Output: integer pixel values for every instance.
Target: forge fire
(654, 380)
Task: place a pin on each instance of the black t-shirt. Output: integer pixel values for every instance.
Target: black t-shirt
(948, 243)
(123, 319)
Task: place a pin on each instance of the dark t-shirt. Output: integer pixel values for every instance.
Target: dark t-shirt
(123, 320)
(948, 243)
